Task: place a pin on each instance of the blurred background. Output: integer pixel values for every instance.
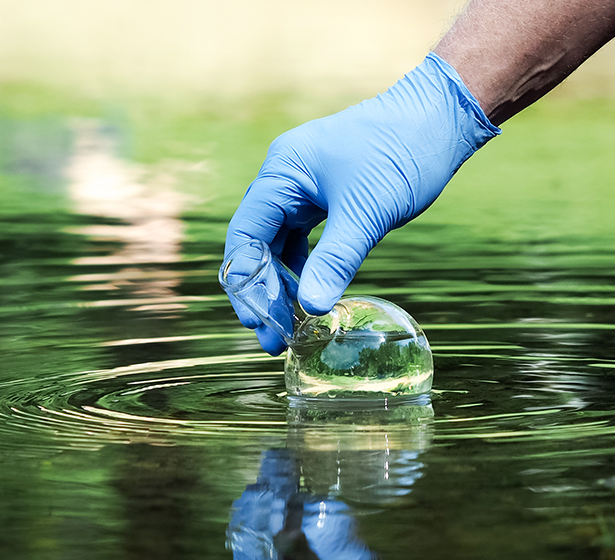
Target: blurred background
(194, 91)
(237, 47)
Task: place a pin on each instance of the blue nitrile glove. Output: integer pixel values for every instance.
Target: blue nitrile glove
(368, 170)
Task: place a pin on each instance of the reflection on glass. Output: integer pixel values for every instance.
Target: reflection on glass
(299, 505)
(365, 347)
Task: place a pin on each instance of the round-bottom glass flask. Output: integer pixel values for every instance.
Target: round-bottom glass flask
(365, 346)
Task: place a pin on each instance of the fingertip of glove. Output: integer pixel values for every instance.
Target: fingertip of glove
(315, 297)
(315, 306)
(323, 280)
(246, 317)
(270, 341)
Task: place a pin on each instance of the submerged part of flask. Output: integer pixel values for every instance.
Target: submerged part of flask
(365, 347)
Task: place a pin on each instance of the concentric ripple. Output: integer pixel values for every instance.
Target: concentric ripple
(147, 402)
(184, 401)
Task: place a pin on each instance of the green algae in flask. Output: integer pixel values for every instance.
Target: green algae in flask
(365, 347)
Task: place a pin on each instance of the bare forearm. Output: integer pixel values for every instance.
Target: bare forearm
(511, 52)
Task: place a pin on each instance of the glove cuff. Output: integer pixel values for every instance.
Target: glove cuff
(484, 130)
(450, 121)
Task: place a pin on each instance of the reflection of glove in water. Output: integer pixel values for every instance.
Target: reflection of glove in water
(272, 519)
(368, 169)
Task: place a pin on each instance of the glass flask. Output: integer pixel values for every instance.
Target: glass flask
(365, 347)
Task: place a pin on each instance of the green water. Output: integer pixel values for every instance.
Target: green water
(135, 410)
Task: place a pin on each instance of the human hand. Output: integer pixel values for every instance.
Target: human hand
(368, 169)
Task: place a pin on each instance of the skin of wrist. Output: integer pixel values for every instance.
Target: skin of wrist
(509, 54)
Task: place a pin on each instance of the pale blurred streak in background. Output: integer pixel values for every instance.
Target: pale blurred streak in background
(233, 47)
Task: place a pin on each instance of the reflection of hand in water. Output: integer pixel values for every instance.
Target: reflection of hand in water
(275, 518)
(297, 507)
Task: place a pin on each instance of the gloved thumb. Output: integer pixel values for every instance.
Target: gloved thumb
(332, 265)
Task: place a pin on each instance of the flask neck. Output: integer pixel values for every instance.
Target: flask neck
(264, 286)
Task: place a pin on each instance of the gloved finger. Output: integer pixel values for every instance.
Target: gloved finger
(259, 216)
(271, 341)
(295, 251)
(333, 263)
(242, 265)
(236, 270)
(246, 317)
(272, 207)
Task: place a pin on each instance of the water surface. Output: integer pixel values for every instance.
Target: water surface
(138, 419)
